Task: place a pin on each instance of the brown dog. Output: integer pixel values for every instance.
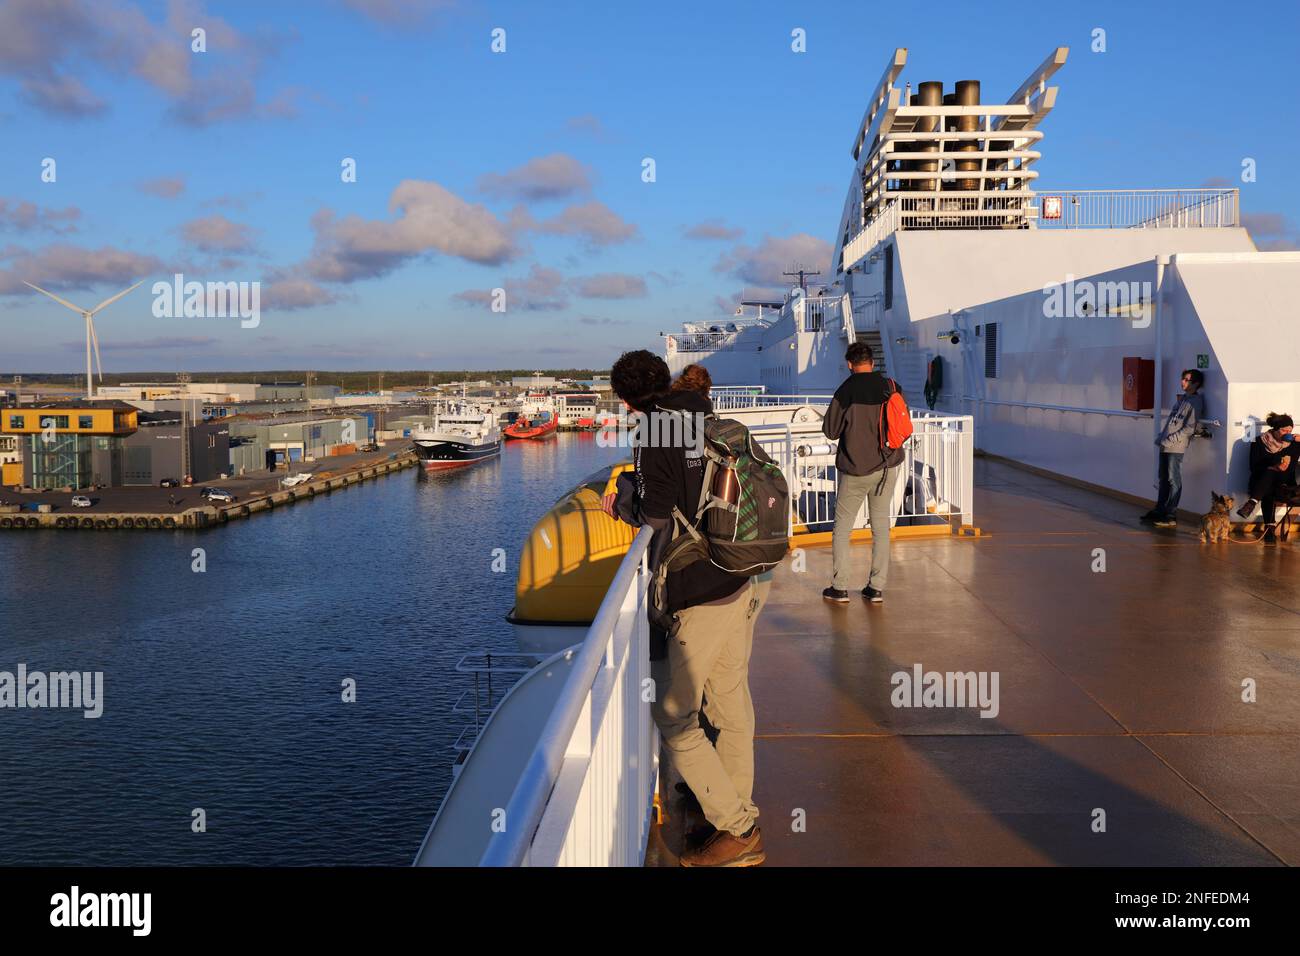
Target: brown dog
(1216, 525)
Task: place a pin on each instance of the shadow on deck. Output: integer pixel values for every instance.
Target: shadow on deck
(1120, 691)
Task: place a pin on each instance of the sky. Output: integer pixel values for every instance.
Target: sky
(524, 167)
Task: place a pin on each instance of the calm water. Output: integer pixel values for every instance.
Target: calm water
(222, 690)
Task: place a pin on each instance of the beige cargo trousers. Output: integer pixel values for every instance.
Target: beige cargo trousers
(707, 668)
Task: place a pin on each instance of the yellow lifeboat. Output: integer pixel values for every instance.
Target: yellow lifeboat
(566, 565)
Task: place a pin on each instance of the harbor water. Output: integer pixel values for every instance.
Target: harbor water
(223, 688)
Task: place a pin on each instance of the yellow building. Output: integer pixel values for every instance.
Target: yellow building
(69, 444)
(11, 461)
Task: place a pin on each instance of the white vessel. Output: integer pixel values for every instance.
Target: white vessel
(1047, 309)
(461, 434)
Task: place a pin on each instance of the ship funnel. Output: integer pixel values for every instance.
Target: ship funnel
(968, 94)
(930, 93)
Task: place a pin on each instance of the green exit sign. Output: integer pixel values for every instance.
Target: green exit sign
(1202, 361)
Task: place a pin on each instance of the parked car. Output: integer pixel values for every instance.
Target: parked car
(371, 447)
(216, 494)
(169, 483)
(81, 501)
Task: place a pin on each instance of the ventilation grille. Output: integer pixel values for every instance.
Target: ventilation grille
(991, 350)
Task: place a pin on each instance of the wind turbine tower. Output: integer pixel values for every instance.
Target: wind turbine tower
(89, 316)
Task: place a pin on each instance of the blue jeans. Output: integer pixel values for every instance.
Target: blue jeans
(1171, 484)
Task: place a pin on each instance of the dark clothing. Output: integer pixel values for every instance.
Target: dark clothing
(668, 477)
(853, 419)
(1265, 479)
(1171, 485)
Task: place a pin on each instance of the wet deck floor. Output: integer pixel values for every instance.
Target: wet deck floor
(1119, 691)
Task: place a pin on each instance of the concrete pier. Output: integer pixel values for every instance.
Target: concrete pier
(205, 516)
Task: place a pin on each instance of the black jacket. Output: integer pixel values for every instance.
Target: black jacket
(668, 477)
(854, 420)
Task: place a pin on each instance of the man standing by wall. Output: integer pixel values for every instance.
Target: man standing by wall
(867, 470)
(1174, 440)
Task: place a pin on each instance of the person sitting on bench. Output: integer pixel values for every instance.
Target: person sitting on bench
(1273, 460)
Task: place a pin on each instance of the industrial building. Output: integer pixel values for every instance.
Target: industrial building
(73, 444)
(256, 445)
(11, 461)
(165, 446)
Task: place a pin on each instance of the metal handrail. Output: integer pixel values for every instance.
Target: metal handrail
(1117, 412)
(531, 795)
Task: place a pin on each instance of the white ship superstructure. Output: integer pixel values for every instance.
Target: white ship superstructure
(461, 434)
(1032, 298)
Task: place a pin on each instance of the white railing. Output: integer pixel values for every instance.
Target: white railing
(723, 402)
(1060, 209)
(586, 793)
(816, 312)
(1136, 208)
(935, 483)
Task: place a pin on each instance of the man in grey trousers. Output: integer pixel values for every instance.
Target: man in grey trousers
(866, 470)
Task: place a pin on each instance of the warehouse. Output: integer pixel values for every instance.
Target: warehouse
(306, 440)
(162, 447)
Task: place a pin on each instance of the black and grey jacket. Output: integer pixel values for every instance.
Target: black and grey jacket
(854, 421)
(1180, 428)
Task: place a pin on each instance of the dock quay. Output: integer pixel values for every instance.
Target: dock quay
(140, 509)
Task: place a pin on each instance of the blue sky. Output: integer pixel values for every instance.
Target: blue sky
(523, 170)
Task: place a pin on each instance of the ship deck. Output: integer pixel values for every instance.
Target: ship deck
(1119, 691)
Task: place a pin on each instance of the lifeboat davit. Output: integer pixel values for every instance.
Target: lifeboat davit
(539, 427)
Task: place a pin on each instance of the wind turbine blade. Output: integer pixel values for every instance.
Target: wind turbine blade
(110, 301)
(95, 341)
(75, 308)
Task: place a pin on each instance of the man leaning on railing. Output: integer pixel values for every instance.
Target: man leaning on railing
(708, 628)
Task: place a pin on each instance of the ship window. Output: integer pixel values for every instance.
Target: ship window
(991, 350)
(889, 276)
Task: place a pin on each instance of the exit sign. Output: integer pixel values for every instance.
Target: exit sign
(1202, 361)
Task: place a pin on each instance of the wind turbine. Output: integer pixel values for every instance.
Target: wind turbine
(91, 338)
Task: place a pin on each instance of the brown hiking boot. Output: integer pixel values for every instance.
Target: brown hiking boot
(727, 849)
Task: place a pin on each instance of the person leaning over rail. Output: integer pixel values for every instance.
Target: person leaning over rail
(867, 469)
(709, 644)
(1174, 440)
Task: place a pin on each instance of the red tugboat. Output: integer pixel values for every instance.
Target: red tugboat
(540, 426)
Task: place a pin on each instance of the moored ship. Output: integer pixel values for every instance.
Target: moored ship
(460, 435)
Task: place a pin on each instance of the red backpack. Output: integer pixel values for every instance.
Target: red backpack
(895, 420)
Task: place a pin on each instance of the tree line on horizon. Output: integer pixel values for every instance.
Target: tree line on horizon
(347, 381)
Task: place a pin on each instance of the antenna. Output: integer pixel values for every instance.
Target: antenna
(803, 275)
